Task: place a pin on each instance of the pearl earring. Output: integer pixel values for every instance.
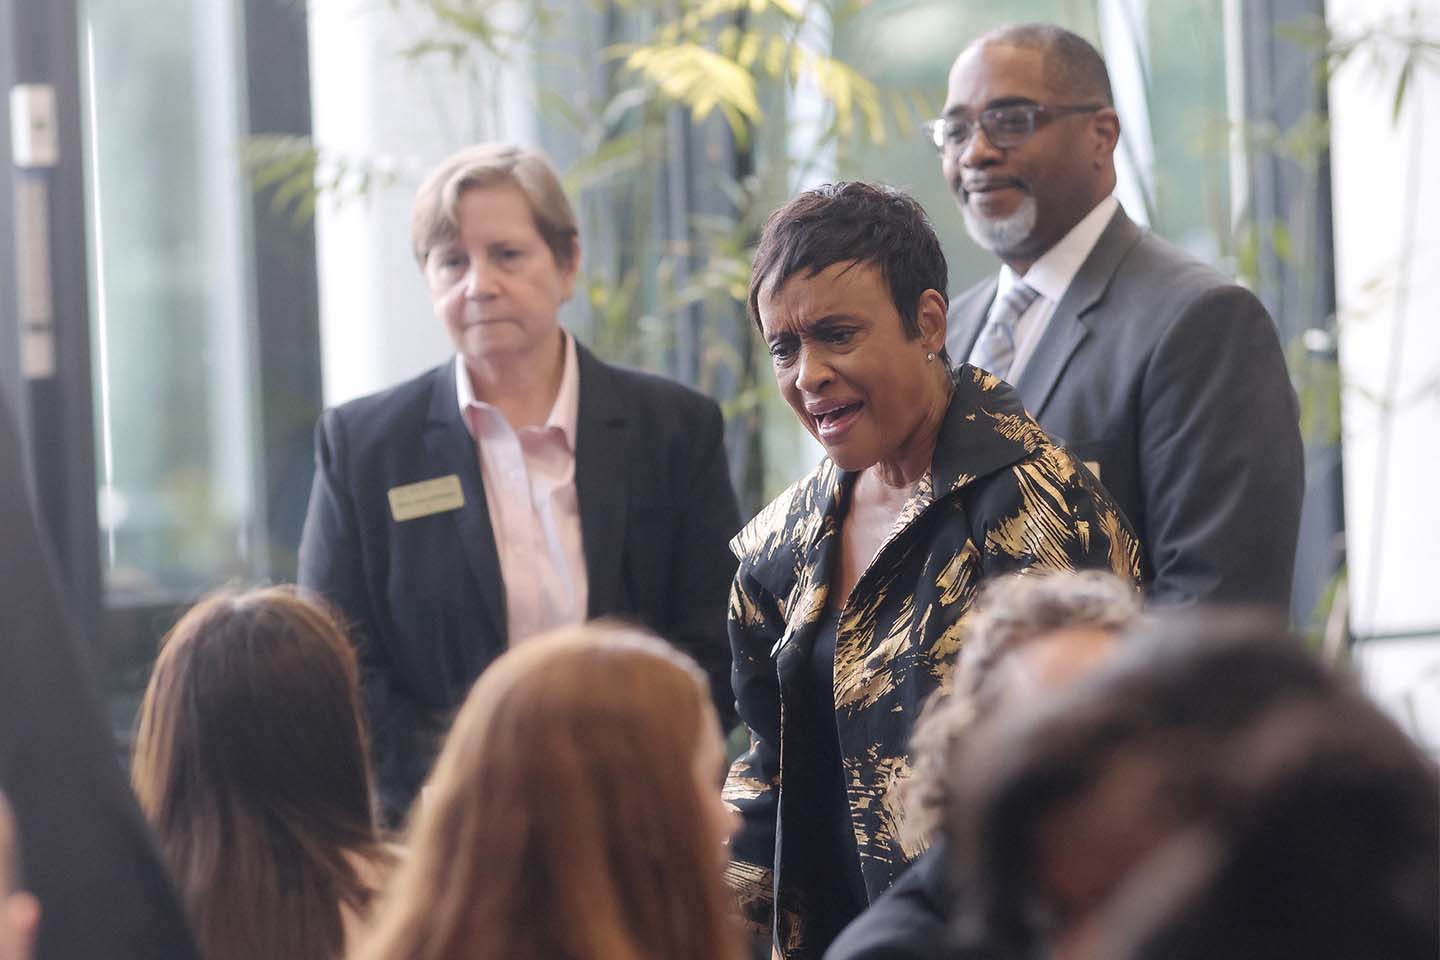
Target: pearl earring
(929, 357)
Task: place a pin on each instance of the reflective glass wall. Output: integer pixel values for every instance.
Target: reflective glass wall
(170, 264)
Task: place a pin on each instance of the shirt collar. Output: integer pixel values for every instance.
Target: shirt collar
(564, 412)
(1050, 276)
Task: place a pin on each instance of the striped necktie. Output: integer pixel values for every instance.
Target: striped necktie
(995, 348)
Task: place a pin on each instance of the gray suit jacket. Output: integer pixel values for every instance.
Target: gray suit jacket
(1171, 380)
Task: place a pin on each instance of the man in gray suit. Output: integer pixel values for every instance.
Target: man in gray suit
(1164, 376)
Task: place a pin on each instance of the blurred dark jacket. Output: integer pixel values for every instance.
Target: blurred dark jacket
(88, 854)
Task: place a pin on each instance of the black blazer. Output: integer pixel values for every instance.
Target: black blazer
(88, 854)
(910, 921)
(1171, 379)
(424, 597)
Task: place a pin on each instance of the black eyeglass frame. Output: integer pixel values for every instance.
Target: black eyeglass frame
(1036, 116)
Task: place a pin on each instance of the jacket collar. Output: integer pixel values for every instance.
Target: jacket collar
(450, 449)
(789, 543)
(1075, 314)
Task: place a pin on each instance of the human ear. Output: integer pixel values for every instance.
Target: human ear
(1106, 126)
(930, 318)
(571, 269)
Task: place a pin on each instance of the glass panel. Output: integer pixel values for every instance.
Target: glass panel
(170, 277)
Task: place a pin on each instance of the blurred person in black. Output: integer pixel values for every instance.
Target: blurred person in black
(1326, 844)
(89, 858)
(1061, 811)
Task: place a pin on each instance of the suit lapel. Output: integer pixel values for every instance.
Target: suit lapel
(602, 469)
(448, 445)
(1071, 322)
(966, 317)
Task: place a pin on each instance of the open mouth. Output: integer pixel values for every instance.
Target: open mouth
(833, 421)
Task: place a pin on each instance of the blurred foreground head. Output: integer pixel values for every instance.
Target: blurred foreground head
(1029, 635)
(1326, 843)
(1079, 819)
(574, 812)
(250, 765)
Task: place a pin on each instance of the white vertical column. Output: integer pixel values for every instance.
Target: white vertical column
(371, 103)
(809, 114)
(225, 233)
(1387, 239)
(1126, 44)
(1235, 116)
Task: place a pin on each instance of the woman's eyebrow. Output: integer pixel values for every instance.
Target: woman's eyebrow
(806, 328)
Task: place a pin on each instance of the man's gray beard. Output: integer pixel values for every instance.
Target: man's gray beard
(1001, 236)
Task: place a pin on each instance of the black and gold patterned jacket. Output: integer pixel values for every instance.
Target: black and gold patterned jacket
(1000, 496)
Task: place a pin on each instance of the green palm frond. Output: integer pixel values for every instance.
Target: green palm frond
(296, 173)
(700, 80)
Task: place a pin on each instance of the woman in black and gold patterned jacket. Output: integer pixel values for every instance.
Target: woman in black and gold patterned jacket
(849, 605)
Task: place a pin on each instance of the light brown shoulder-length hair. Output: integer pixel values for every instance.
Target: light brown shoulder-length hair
(563, 819)
(250, 765)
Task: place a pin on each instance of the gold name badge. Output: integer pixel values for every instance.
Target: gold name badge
(426, 497)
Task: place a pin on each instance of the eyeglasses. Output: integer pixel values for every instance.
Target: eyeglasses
(1005, 127)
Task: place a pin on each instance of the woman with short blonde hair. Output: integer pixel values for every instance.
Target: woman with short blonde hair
(523, 485)
(574, 814)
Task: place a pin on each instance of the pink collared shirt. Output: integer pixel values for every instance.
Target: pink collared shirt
(529, 478)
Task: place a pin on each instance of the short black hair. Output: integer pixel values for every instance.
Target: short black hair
(1073, 67)
(853, 221)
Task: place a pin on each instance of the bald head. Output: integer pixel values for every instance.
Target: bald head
(1074, 69)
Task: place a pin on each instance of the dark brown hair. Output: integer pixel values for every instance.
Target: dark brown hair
(562, 820)
(250, 765)
(853, 222)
